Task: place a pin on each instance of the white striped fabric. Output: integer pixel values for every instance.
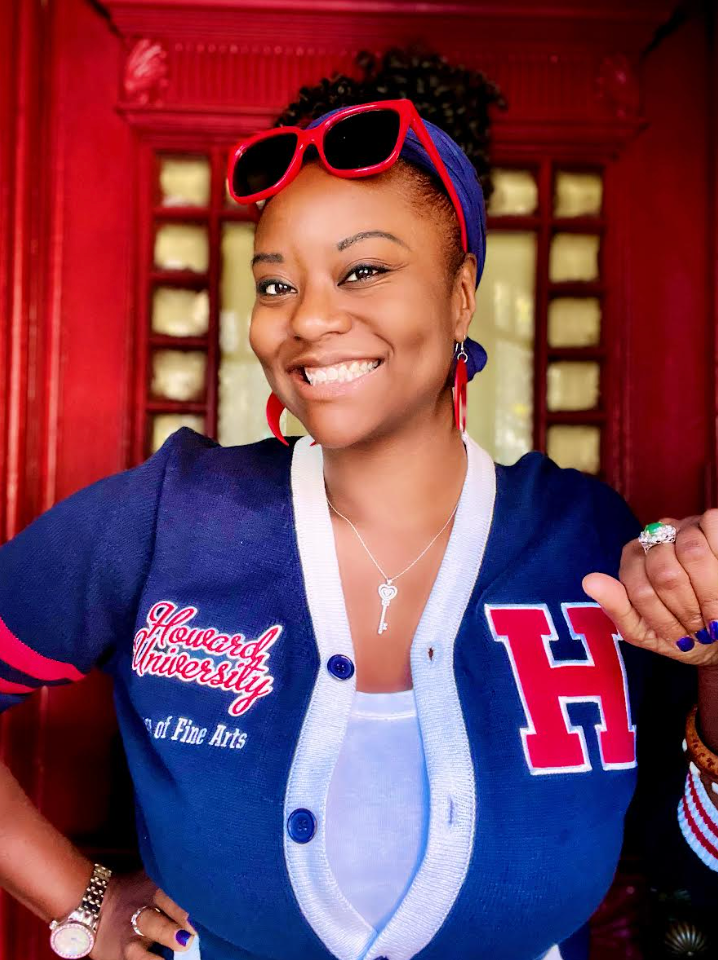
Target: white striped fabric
(698, 819)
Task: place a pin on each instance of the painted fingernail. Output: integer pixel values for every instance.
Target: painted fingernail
(183, 937)
(685, 644)
(702, 636)
(713, 629)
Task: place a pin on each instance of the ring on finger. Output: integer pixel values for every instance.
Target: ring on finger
(655, 533)
(136, 917)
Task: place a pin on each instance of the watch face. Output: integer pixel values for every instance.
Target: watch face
(72, 939)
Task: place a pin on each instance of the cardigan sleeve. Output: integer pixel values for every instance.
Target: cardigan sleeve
(71, 581)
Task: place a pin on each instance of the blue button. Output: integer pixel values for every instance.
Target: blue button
(342, 668)
(301, 825)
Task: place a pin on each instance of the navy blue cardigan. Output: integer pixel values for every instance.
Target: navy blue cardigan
(205, 581)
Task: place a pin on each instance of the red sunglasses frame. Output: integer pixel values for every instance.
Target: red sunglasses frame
(408, 118)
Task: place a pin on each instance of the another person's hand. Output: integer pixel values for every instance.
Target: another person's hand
(666, 600)
(116, 940)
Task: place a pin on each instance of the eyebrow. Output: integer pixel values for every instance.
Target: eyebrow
(342, 245)
(367, 234)
(267, 258)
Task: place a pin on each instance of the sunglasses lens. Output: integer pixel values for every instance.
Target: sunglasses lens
(362, 140)
(263, 164)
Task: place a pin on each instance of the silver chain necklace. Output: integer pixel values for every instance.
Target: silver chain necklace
(387, 590)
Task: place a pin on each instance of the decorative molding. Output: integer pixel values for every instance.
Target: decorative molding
(617, 85)
(221, 58)
(231, 78)
(228, 90)
(389, 21)
(145, 76)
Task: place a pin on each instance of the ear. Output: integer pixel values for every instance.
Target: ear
(464, 296)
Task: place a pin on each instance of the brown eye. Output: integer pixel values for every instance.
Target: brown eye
(364, 271)
(273, 288)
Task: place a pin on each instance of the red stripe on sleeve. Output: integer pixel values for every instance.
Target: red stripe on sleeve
(21, 657)
(7, 686)
(697, 832)
(700, 806)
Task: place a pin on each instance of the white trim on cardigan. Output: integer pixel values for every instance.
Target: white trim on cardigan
(450, 841)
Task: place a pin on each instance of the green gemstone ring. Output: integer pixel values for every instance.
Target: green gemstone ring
(655, 533)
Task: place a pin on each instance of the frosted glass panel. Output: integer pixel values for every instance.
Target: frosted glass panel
(515, 193)
(574, 322)
(500, 398)
(164, 424)
(578, 195)
(180, 313)
(574, 256)
(573, 386)
(181, 246)
(184, 182)
(578, 447)
(178, 374)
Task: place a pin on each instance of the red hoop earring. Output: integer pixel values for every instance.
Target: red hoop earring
(275, 408)
(274, 412)
(460, 381)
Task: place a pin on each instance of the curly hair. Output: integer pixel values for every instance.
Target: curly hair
(452, 97)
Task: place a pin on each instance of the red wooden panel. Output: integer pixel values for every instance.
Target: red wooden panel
(664, 276)
(94, 194)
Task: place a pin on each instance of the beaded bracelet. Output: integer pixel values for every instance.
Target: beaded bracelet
(705, 760)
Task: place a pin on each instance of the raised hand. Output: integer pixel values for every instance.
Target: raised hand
(666, 600)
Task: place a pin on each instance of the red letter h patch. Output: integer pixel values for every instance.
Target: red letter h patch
(551, 743)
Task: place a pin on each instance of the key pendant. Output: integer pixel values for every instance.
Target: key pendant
(387, 592)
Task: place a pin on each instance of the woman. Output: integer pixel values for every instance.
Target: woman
(369, 711)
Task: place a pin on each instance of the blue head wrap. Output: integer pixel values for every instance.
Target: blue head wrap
(467, 186)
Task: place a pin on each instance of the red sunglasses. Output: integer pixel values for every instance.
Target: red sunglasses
(354, 142)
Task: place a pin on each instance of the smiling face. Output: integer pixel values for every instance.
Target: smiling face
(356, 315)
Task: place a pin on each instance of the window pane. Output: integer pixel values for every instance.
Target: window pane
(181, 246)
(178, 374)
(574, 256)
(573, 386)
(515, 193)
(574, 322)
(184, 182)
(500, 398)
(577, 195)
(164, 424)
(578, 447)
(180, 313)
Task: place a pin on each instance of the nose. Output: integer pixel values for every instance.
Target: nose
(316, 313)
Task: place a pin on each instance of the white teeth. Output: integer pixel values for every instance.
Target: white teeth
(342, 372)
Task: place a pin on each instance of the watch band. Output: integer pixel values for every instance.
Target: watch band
(94, 894)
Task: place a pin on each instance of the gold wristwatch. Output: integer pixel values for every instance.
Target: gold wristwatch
(74, 936)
